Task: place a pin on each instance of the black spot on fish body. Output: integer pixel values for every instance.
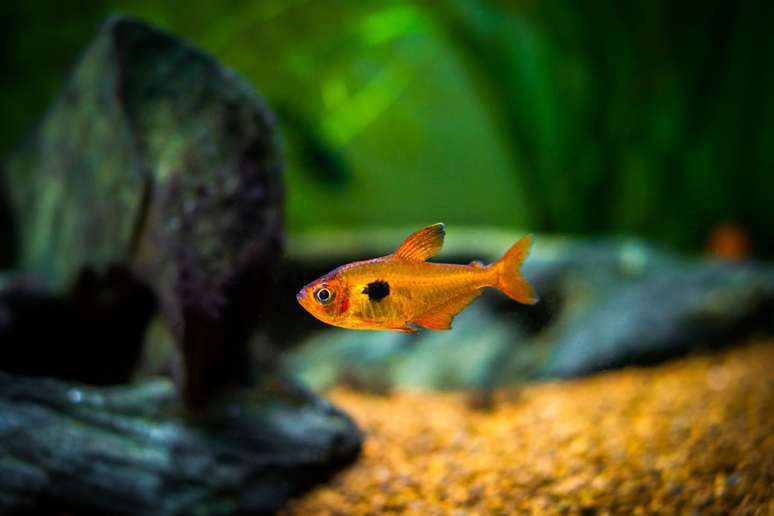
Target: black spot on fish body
(377, 290)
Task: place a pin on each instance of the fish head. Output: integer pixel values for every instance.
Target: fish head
(325, 298)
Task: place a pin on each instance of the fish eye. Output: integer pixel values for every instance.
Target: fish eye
(323, 296)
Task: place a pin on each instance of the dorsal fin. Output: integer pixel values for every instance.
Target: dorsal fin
(422, 244)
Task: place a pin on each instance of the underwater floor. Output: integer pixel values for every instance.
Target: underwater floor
(695, 435)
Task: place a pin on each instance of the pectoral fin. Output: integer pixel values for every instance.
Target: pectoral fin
(440, 317)
(422, 244)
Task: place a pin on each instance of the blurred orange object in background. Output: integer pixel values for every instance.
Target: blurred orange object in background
(728, 241)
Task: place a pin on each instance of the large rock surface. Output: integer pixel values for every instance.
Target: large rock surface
(155, 179)
(67, 448)
(157, 160)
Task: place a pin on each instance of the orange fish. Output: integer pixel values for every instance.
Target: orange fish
(403, 289)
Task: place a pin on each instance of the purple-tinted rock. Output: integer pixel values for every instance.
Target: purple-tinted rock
(156, 159)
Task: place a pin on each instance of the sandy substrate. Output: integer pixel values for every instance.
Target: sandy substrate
(693, 436)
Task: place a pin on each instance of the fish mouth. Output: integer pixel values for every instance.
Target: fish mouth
(300, 296)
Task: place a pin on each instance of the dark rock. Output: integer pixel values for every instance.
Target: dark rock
(63, 336)
(154, 179)
(69, 448)
(7, 232)
(158, 161)
(604, 304)
(665, 314)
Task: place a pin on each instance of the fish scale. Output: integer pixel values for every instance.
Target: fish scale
(420, 280)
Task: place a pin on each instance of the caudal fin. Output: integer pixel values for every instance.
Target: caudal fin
(508, 277)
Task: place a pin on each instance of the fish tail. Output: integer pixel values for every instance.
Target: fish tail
(508, 277)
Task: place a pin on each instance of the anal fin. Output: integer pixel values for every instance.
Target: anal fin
(436, 321)
(440, 317)
(403, 329)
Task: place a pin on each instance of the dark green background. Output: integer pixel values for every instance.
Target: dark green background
(563, 116)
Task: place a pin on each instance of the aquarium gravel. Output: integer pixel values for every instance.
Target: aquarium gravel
(693, 436)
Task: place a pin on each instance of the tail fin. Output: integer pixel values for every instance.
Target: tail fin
(508, 278)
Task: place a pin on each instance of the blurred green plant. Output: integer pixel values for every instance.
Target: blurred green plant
(600, 117)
